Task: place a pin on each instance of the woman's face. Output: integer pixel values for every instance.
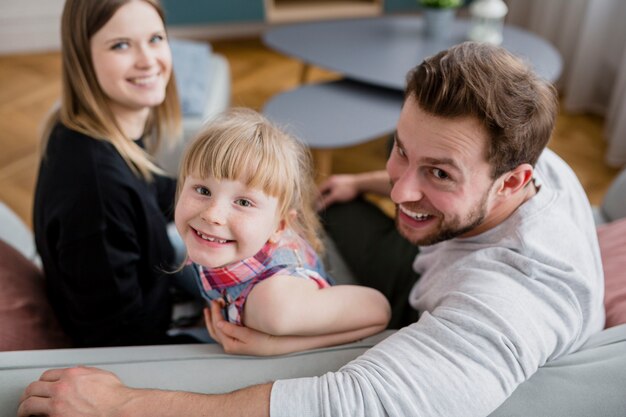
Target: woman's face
(132, 59)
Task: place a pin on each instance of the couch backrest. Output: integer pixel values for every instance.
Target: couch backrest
(614, 202)
(17, 234)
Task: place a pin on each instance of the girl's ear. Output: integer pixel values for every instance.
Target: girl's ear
(283, 225)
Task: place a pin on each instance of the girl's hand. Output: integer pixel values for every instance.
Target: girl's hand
(238, 340)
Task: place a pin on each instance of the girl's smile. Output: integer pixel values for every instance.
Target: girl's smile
(225, 221)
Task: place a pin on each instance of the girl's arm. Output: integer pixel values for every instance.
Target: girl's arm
(292, 314)
(285, 305)
(242, 340)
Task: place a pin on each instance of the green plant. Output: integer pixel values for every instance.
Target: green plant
(441, 4)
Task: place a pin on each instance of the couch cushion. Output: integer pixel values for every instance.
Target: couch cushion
(26, 318)
(612, 238)
(192, 64)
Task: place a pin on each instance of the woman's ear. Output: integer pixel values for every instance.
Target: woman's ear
(283, 224)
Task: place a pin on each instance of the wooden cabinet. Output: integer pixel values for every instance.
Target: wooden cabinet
(220, 12)
(278, 11)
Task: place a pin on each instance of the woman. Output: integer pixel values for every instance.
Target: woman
(101, 204)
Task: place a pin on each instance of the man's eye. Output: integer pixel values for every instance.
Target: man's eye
(398, 148)
(202, 190)
(120, 45)
(243, 202)
(440, 174)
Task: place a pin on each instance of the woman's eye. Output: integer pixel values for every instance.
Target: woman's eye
(120, 45)
(157, 38)
(202, 190)
(440, 174)
(243, 202)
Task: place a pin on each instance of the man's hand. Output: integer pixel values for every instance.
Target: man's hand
(74, 392)
(337, 189)
(238, 340)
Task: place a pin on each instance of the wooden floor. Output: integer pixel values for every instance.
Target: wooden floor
(30, 84)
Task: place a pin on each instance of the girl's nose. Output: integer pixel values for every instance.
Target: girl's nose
(214, 213)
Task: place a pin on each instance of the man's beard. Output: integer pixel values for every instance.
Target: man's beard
(452, 229)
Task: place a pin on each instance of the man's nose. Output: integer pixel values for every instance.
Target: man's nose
(406, 188)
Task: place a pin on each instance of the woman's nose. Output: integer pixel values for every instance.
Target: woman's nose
(146, 57)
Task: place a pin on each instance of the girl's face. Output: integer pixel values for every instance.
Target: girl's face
(225, 221)
(132, 59)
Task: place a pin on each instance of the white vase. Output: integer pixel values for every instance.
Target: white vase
(438, 22)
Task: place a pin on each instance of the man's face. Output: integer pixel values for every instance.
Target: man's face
(440, 177)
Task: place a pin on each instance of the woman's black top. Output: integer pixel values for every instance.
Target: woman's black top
(101, 233)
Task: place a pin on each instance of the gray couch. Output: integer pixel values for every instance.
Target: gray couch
(587, 383)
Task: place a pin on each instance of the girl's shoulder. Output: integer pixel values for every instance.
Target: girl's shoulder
(294, 253)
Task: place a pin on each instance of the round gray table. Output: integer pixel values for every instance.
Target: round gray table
(380, 51)
(374, 55)
(335, 114)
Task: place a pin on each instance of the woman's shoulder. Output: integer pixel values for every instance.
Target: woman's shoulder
(82, 162)
(65, 139)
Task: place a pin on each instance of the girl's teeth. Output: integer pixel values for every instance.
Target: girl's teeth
(210, 239)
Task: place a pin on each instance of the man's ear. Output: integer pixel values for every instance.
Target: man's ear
(515, 180)
(283, 224)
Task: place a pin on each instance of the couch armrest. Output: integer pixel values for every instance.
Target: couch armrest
(201, 368)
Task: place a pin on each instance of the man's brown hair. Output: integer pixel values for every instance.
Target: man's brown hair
(517, 108)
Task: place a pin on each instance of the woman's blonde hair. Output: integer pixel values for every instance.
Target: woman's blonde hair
(84, 105)
(242, 145)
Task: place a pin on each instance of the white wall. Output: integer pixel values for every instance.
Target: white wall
(30, 25)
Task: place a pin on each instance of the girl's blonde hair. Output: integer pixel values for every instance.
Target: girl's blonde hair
(242, 145)
(84, 106)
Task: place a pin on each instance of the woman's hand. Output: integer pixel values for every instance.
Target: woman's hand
(238, 340)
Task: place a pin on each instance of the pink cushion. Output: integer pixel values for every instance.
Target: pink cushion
(612, 238)
(26, 318)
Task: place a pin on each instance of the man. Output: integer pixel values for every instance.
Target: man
(510, 274)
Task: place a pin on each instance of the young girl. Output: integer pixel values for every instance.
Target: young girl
(245, 212)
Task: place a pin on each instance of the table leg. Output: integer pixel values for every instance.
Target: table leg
(304, 74)
(323, 163)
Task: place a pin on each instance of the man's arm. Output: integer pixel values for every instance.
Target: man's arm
(346, 187)
(81, 391)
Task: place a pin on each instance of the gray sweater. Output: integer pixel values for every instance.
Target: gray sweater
(495, 307)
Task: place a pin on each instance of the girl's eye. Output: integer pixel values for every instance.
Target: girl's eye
(202, 190)
(120, 45)
(243, 202)
(440, 174)
(157, 38)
